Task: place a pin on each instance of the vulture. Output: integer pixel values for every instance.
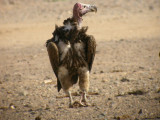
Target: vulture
(71, 52)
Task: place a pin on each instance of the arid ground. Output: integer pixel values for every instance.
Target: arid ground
(125, 79)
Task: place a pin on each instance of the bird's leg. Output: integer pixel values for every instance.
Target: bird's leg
(70, 99)
(84, 99)
(83, 84)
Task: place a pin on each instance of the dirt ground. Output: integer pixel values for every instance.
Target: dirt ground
(125, 79)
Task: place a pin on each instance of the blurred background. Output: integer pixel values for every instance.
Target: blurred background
(125, 76)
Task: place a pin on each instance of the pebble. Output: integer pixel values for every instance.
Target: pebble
(48, 81)
(47, 78)
(103, 80)
(25, 93)
(100, 116)
(12, 106)
(140, 111)
(124, 80)
(38, 118)
(101, 71)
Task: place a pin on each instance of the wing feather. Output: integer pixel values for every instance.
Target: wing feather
(54, 60)
(91, 50)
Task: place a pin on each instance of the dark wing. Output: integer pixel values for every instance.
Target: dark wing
(91, 50)
(54, 59)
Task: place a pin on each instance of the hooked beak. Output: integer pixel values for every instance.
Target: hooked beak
(87, 8)
(93, 8)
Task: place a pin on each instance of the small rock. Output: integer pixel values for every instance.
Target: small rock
(9, 92)
(151, 78)
(30, 110)
(18, 74)
(33, 112)
(102, 115)
(26, 105)
(12, 106)
(124, 80)
(103, 80)
(116, 71)
(158, 91)
(47, 107)
(151, 7)
(141, 67)
(116, 118)
(137, 92)
(47, 78)
(109, 98)
(140, 111)
(38, 118)
(157, 98)
(25, 93)
(121, 39)
(101, 71)
(11, 2)
(49, 81)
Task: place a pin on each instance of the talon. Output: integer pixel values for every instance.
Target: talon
(87, 104)
(84, 101)
(84, 104)
(81, 104)
(71, 105)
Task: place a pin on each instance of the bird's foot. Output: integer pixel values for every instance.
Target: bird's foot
(77, 104)
(85, 103)
(71, 105)
(82, 104)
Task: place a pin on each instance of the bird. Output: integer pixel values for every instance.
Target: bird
(71, 53)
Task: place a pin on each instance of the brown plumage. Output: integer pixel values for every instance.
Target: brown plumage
(71, 52)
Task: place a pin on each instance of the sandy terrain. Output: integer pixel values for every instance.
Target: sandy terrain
(125, 80)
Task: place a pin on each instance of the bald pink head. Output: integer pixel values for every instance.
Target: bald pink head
(80, 9)
(76, 11)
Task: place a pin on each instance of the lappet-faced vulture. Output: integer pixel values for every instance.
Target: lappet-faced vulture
(71, 52)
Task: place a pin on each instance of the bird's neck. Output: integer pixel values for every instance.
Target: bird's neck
(78, 21)
(71, 23)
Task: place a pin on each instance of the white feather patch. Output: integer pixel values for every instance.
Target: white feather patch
(68, 26)
(56, 38)
(63, 47)
(79, 47)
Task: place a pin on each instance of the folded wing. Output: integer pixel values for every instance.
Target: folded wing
(54, 60)
(91, 50)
